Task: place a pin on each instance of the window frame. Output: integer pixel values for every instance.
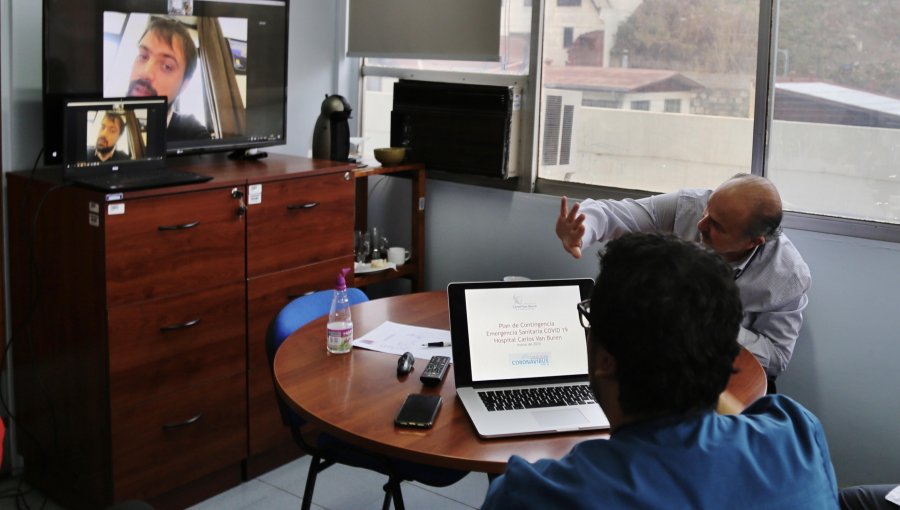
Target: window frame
(672, 106)
(639, 105)
(530, 182)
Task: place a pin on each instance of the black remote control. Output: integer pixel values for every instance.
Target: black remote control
(435, 370)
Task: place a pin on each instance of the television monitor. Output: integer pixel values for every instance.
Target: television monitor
(222, 65)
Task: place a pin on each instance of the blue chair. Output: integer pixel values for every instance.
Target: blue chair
(327, 450)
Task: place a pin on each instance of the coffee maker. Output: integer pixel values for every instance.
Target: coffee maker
(331, 138)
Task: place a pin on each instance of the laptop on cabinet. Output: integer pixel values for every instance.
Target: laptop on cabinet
(520, 357)
(119, 144)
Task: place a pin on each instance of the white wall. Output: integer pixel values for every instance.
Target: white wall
(22, 125)
(316, 67)
(845, 364)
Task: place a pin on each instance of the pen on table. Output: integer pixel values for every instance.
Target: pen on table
(437, 344)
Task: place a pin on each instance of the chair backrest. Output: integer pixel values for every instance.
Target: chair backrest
(292, 317)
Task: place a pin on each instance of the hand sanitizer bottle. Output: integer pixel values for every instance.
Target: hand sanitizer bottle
(340, 325)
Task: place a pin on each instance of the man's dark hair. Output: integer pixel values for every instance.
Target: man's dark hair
(117, 118)
(766, 222)
(166, 29)
(669, 311)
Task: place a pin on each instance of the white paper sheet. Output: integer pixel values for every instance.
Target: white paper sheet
(894, 496)
(394, 338)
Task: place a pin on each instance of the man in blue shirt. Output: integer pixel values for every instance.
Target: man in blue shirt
(663, 322)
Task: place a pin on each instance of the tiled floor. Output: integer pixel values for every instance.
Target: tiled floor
(337, 488)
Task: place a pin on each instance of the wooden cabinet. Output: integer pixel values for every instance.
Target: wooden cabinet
(165, 245)
(139, 357)
(299, 237)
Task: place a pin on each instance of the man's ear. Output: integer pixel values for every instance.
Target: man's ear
(756, 241)
(604, 363)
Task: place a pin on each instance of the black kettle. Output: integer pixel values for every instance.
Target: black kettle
(331, 138)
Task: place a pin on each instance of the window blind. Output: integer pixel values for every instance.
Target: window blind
(424, 29)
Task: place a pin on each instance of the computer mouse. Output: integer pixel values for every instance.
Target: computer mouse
(405, 363)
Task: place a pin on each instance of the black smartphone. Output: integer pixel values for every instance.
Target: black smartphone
(418, 411)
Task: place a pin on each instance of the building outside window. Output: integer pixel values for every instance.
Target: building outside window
(657, 110)
(836, 109)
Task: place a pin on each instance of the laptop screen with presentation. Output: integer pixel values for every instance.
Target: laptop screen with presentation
(119, 144)
(522, 339)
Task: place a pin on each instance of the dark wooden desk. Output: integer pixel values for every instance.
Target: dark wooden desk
(356, 396)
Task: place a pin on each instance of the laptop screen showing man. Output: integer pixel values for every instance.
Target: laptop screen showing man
(520, 358)
(118, 144)
(114, 132)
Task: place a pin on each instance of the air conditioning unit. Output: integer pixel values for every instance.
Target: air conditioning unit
(459, 128)
(558, 150)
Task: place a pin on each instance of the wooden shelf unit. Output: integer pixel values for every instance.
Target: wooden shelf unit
(414, 268)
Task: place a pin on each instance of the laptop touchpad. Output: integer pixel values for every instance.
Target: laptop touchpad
(551, 418)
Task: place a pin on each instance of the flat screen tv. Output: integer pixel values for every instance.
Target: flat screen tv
(221, 64)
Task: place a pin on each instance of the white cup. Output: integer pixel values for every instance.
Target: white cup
(397, 255)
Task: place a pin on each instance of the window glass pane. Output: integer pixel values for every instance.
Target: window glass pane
(378, 91)
(661, 92)
(643, 106)
(673, 106)
(378, 100)
(836, 113)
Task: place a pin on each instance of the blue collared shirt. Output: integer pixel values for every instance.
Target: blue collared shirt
(773, 456)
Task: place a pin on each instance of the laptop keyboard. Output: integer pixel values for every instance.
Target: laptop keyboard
(531, 398)
(140, 178)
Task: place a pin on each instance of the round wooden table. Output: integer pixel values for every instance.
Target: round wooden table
(356, 396)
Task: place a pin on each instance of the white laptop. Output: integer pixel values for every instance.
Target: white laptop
(520, 357)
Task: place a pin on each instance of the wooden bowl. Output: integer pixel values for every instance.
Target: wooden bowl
(390, 156)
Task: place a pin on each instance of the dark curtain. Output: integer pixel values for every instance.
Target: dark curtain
(228, 113)
(135, 140)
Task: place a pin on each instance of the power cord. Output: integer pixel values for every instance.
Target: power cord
(33, 288)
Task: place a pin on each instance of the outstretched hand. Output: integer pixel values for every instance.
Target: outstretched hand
(570, 228)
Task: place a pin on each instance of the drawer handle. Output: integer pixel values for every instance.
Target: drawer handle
(190, 421)
(296, 207)
(183, 325)
(183, 226)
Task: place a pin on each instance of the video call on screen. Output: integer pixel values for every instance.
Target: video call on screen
(90, 49)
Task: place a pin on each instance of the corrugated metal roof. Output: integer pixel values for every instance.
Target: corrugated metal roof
(843, 95)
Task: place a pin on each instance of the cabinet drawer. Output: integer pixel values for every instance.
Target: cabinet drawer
(168, 245)
(300, 221)
(161, 346)
(179, 437)
(266, 296)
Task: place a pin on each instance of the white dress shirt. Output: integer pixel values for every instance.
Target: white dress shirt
(773, 279)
